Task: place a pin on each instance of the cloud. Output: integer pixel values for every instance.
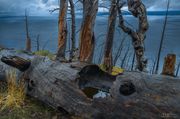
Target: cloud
(156, 5)
(35, 7)
(42, 7)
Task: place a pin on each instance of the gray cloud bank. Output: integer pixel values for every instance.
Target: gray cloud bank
(42, 7)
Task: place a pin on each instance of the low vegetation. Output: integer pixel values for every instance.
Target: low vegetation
(14, 104)
(115, 70)
(45, 53)
(14, 96)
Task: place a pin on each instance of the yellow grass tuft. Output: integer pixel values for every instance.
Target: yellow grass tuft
(15, 95)
(115, 70)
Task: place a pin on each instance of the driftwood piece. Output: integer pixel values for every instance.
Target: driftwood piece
(169, 65)
(131, 95)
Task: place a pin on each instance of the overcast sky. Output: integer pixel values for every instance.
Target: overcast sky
(42, 7)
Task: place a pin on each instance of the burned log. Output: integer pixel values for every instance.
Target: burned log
(130, 94)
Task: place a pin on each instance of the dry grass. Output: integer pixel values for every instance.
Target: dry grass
(15, 105)
(14, 96)
(45, 53)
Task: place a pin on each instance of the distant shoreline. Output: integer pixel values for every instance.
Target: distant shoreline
(149, 13)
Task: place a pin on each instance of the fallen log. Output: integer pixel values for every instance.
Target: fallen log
(131, 95)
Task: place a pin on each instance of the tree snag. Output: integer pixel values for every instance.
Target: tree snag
(162, 38)
(28, 39)
(90, 8)
(62, 29)
(73, 29)
(178, 67)
(138, 9)
(169, 65)
(108, 62)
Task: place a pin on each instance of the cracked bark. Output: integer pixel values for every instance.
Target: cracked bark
(62, 29)
(90, 8)
(60, 86)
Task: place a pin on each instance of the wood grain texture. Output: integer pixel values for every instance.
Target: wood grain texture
(58, 85)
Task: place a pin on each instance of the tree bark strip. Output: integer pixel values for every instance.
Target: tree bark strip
(90, 8)
(62, 29)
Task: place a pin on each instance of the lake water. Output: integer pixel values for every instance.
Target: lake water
(13, 35)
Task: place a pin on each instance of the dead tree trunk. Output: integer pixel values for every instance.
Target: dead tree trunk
(133, 60)
(28, 39)
(137, 8)
(125, 57)
(119, 51)
(37, 43)
(169, 65)
(73, 30)
(130, 94)
(162, 39)
(90, 8)
(108, 61)
(177, 71)
(62, 29)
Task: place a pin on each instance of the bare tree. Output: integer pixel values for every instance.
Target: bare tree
(119, 51)
(154, 65)
(108, 63)
(133, 60)
(177, 71)
(28, 39)
(37, 42)
(162, 38)
(62, 29)
(138, 10)
(90, 8)
(125, 57)
(73, 29)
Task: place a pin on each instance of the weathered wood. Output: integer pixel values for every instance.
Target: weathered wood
(178, 68)
(108, 61)
(131, 95)
(169, 65)
(17, 62)
(28, 39)
(62, 29)
(87, 38)
(138, 10)
(73, 30)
